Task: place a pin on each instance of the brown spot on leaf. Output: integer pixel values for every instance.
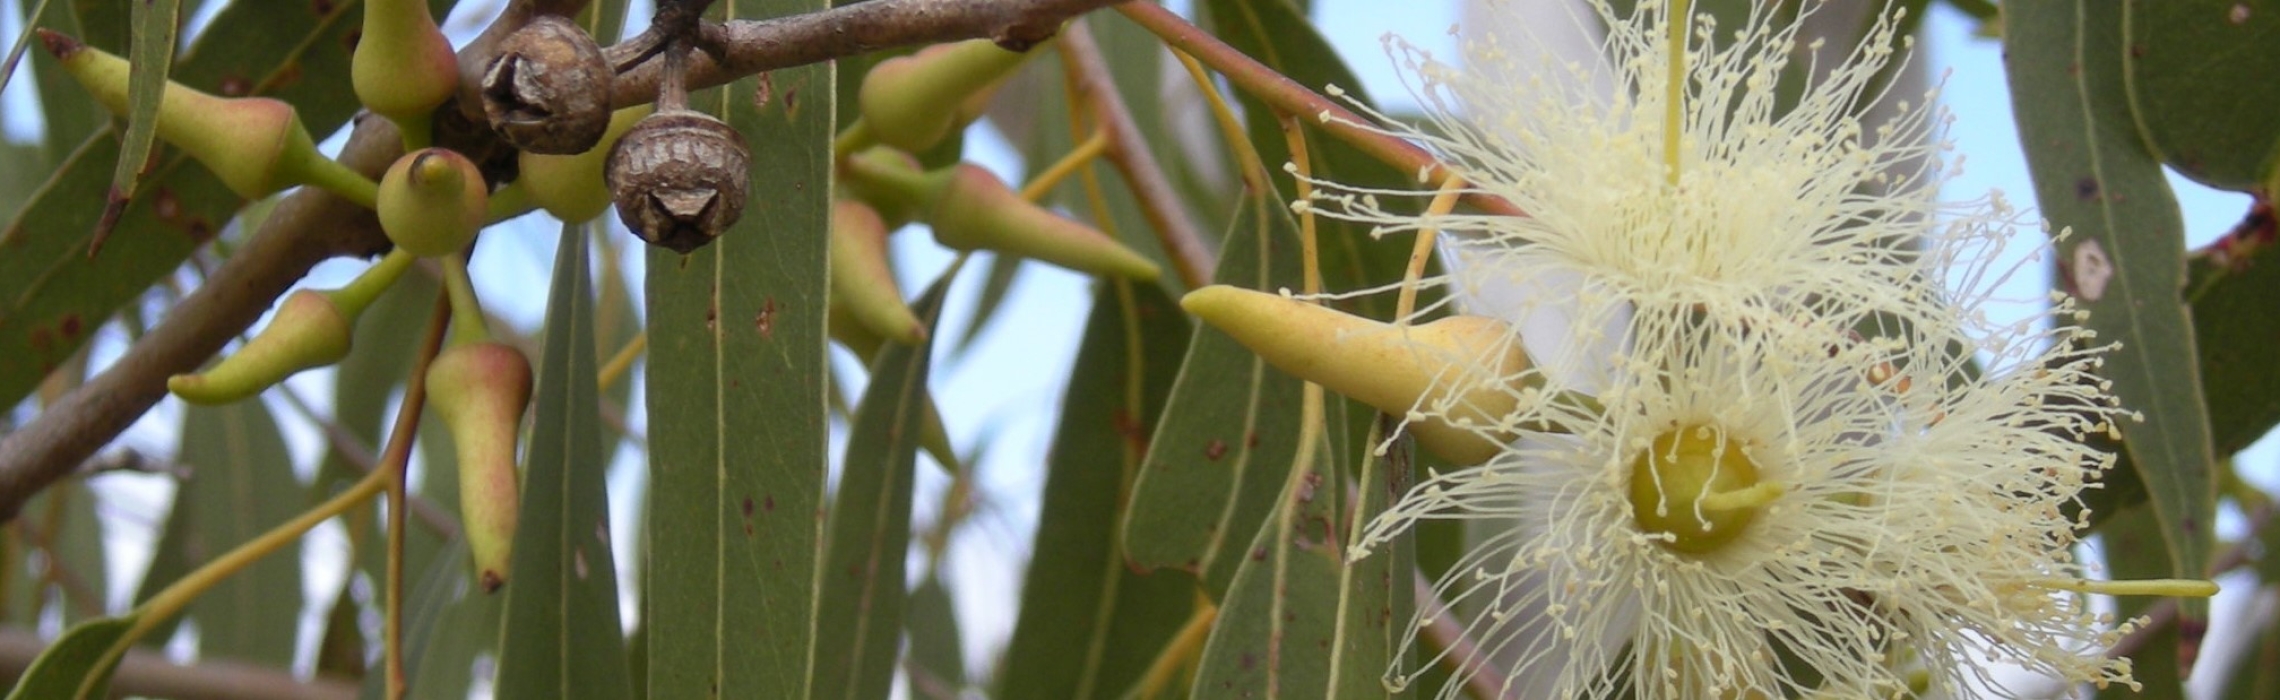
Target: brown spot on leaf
(764, 91)
(42, 340)
(765, 321)
(322, 7)
(165, 205)
(70, 326)
(2086, 189)
(768, 504)
(1214, 449)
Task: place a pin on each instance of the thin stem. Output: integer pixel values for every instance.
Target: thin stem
(395, 462)
(467, 325)
(1130, 155)
(1185, 646)
(1077, 158)
(177, 596)
(1288, 97)
(1421, 251)
(1481, 673)
(1302, 166)
(623, 360)
(1252, 167)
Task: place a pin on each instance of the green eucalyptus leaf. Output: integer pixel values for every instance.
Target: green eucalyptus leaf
(241, 485)
(736, 408)
(69, 666)
(561, 598)
(2125, 259)
(151, 55)
(868, 539)
(2200, 84)
(1090, 623)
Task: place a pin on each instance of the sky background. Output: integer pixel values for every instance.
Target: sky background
(1008, 386)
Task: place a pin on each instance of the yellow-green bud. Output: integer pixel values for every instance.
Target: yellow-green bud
(403, 67)
(1470, 365)
(432, 201)
(478, 390)
(572, 187)
(911, 102)
(256, 145)
(308, 331)
(977, 211)
(861, 282)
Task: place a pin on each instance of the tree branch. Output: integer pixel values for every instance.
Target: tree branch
(1190, 257)
(310, 226)
(751, 46)
(148, 673)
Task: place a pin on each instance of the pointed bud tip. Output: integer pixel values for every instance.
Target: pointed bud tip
(59, 44)
(492, 580)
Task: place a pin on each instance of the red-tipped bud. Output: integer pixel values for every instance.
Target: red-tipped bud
(911, 102)
(256, 145)
(404, 67)
(861, 281)
(977, 211)
(432, 201)
(478, 390)
(309, 330)
(572, 188)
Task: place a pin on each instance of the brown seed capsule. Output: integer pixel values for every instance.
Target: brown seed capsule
(549, 89)
(678, 178)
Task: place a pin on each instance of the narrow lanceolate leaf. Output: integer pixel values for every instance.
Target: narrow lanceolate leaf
(1090, 624)
(736, 408)
(2199, 80)
(52, 295)
(1376, 595)
(562, 603)
(2232, 288)
(241, 484)
(1227, 440)
(1278, 623)
(69, 666)
(2125, 259)
(151, 55)
(869, 531)
(936, 668)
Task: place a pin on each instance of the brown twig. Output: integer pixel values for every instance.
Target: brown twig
(397, 460)
(1189, 256)
(353, 450)
(312, 226)
(1289, 97)
(1481, 673)
(752, 46)
(147, 673)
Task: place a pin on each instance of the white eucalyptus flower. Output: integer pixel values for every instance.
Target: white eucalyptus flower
(1762, 502)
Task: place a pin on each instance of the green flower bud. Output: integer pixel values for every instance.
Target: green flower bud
(861, 282)
(432, 201)
(403, 67)
(572, 187)
(479, 390)
(311, 329)
(977, 211)
(911, 102)
(256, 145)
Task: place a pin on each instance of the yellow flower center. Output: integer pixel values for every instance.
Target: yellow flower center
(1698, 487)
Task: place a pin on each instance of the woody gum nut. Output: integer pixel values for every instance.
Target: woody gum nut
(911, 102)
(1393, 368)
(679, 179)
(977, 211)
(548, 90)
(404, 67)
(432, 201)
(256, 145)
(861, 281)
(308, 331)
(572, 187)
(479, 390)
